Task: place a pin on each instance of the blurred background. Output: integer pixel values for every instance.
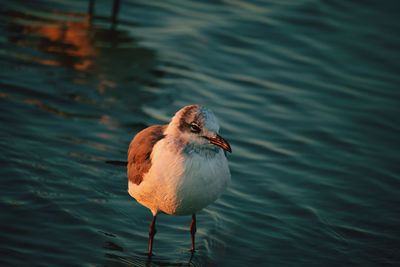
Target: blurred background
(306, 92)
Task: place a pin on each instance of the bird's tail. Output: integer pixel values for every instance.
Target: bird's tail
(117, 163)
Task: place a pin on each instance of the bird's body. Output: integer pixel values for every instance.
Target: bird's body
(179, 168)
(181, 182)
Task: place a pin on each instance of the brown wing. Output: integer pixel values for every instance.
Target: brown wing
(139, 161)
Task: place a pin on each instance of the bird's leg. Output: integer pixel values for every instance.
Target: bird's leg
(193, 229)
(152, 233)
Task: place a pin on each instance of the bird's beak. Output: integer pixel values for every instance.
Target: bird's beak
(219, 141)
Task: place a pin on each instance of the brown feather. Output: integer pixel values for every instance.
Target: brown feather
(139, 153)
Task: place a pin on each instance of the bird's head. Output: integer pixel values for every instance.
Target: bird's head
(197, 125)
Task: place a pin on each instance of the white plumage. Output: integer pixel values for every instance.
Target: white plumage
(179, 184)
(180, 168)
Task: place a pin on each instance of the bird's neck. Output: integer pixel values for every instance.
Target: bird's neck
(202, 150)
(180, 145)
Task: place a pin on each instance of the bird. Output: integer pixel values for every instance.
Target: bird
(179, 168)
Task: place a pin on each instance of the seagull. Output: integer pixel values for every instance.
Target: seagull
(179, 168)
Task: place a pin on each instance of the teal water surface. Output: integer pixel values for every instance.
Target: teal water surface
(306, 92)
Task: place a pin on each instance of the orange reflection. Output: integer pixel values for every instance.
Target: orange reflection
(107, 136)
(95, 145)
(4, 95)
(93, 158)
(41, 105)
(70, 38)
(39, 60)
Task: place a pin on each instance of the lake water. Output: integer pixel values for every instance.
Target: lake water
(306, 92)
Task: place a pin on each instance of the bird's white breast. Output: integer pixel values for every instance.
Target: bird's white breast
(181, 182)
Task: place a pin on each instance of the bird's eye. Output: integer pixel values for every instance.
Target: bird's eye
(194, 128)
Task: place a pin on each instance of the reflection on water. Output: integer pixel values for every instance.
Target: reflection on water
(76, 42)
(69, 41)
(94, 52)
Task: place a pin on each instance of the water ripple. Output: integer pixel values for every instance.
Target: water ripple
(306, 92)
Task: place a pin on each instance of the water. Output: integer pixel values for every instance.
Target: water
(306, 92)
